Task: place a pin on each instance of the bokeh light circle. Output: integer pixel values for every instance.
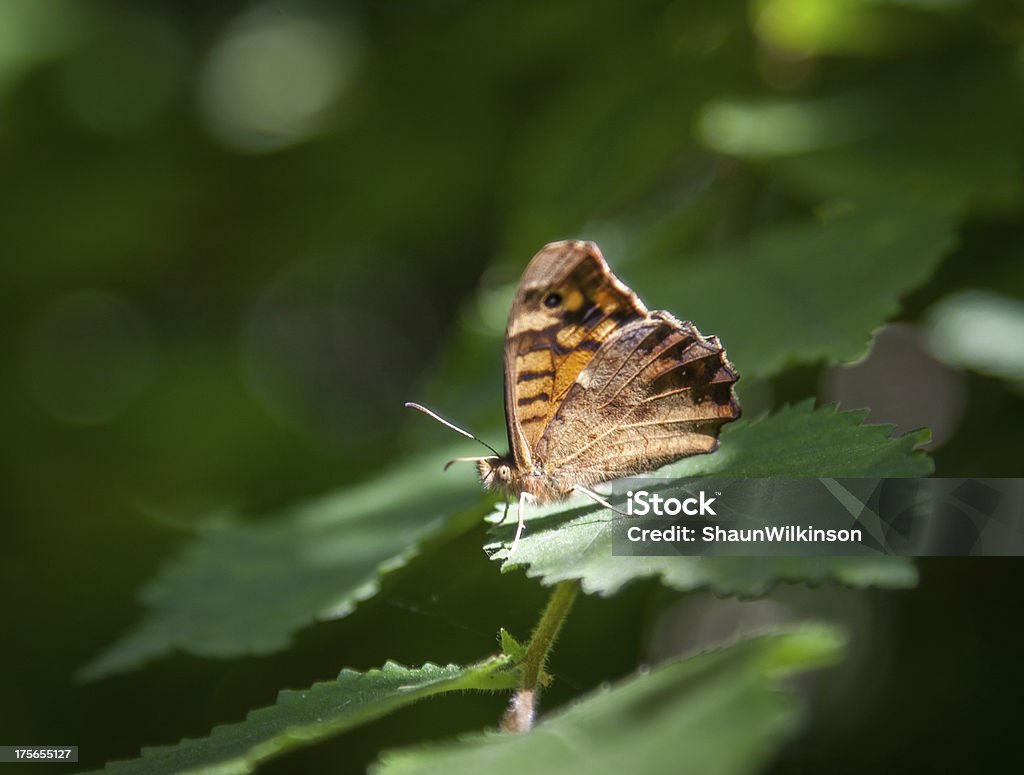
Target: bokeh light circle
(271, 80)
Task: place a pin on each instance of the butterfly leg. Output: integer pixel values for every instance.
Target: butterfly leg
(598, 499)
(504, 515)
(523, 498)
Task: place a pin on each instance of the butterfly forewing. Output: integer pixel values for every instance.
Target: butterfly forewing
(567, 306)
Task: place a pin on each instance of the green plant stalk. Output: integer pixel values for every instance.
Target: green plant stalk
(520, 714)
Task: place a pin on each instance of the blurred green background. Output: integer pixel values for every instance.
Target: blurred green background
(237, 236)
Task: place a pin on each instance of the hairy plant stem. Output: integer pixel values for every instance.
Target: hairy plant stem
(522, 708)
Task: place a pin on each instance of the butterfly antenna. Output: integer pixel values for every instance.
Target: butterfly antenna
(456, 428)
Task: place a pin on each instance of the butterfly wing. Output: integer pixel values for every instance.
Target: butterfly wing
(567, 306)
(654, 392)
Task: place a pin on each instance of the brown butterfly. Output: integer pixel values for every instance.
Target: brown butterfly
(596, 386)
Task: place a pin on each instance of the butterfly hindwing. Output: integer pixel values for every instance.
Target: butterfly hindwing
(655, 392)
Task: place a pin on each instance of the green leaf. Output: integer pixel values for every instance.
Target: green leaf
(245, 588)
(511, 647)
(804, 292)
(802, 440)
(302, 717)
(718, 712)
(575, 542)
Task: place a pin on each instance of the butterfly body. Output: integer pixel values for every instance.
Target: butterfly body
(596, 386)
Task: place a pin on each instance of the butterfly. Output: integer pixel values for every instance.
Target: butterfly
(598, 387)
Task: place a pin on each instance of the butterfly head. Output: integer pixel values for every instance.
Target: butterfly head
(497, 473)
